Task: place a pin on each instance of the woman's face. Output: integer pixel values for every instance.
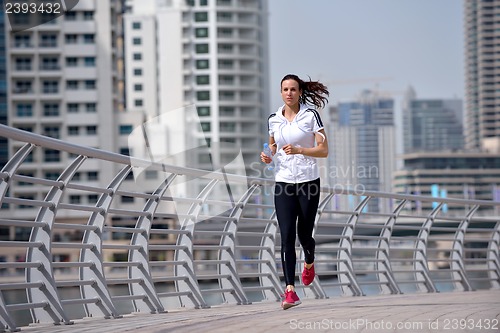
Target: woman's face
(290, 92)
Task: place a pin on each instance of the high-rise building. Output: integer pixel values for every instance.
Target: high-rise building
(365, 153)
(211, 55)
(432, 124)
(63, 80)
(482, 124)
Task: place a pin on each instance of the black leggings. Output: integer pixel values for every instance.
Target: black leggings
(296, 207)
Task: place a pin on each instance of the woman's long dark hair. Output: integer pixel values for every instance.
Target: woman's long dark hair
(313, 92)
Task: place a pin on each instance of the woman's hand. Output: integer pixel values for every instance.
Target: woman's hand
(264, 158)
(291, 150)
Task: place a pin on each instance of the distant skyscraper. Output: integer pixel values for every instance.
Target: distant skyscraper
(212, 54)
(363, 133)
(63, 80)
(482, 124)
(432, 124)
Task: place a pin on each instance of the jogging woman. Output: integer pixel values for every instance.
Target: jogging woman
(297, 138)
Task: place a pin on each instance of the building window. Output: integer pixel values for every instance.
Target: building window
(203, 95)
(126, 129)
(201, 17)
(226, 111)
(70, 16)
(201, 48)
(225, 48)
(52, 175)
(73, 130)
(50, 63)
(137, 41)
(227, 127)
(23, 64)
(89, 61)
(91, 130)
(88, 39)
(24, 110)
(202, 64)
(72, 85)
(137, 56)
(92, 198)
(52, 131)
(50, 155)
(71, 38)
(51, 110)
(136, 25)
(127, 199)
(88, 15)
(125, 151)
(138, 87)
(48, 40)
(71, 62)
(203, 3)
(203, 111)
(201, 32)
(91, 107)
(22, 41)
(90, 84)
(137, 72)
(23, 87)
(226, 64)
(205, 127)
(138, 102)
(92, 175)
(202, 79)
(50, 87)
(75, 199)
(72, 107)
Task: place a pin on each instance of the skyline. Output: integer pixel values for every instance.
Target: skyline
(425, 51)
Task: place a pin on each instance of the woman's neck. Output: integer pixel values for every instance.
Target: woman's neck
(290, 112)
(294, 109)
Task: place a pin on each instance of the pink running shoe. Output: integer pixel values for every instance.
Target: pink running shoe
(291, 300)
(308, 275)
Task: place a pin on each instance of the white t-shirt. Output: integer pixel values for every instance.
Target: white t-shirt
(300, 132)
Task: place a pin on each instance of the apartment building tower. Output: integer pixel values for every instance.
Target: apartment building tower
(207, 55)
(63, 82)
(482, 121)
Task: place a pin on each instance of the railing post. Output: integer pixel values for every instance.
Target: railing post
(99, 289)
(420, 262)
(315, 286)
(493, 257)
(10, 169)
(347, 276)
(54, 311)
(152, 302)
(457, 260)
(268, 264)
(185, 254)
(383, 262)
(228, 255)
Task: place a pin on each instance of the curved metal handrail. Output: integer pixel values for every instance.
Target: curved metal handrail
(171, 257)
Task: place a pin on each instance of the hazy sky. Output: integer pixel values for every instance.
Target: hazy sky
(352, 44)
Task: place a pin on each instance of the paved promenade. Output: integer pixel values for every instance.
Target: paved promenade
(477, 311)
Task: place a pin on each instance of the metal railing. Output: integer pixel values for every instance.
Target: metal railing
(66, 258)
